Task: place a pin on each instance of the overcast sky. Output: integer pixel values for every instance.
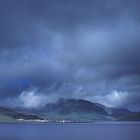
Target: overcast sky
(88, 49)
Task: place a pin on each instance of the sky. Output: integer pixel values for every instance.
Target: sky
(82, 49)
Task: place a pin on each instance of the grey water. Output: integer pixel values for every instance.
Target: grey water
(83, 131)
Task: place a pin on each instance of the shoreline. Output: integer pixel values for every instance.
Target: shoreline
(96, 122)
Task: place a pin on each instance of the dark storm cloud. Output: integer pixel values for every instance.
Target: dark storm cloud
(73, 49)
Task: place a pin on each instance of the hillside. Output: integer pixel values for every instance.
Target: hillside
(69, 110)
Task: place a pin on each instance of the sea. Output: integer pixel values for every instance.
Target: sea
(70, 131)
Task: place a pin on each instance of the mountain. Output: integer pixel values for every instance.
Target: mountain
(84, 111)
(73, 110)
(69, 110)
(7, 114)
(135, 116)
(65, 106)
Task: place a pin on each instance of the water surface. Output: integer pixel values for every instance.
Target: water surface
(93, 131)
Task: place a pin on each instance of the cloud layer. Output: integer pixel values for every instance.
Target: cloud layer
(72, 49)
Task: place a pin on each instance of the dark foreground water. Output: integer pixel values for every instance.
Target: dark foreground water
(97, 131)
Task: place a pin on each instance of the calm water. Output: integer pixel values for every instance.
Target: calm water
(97, 131)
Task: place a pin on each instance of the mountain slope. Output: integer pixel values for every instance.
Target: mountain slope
(73, 110)
(131, 117)
(72, 105)
(82, 110)
(7, 114)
